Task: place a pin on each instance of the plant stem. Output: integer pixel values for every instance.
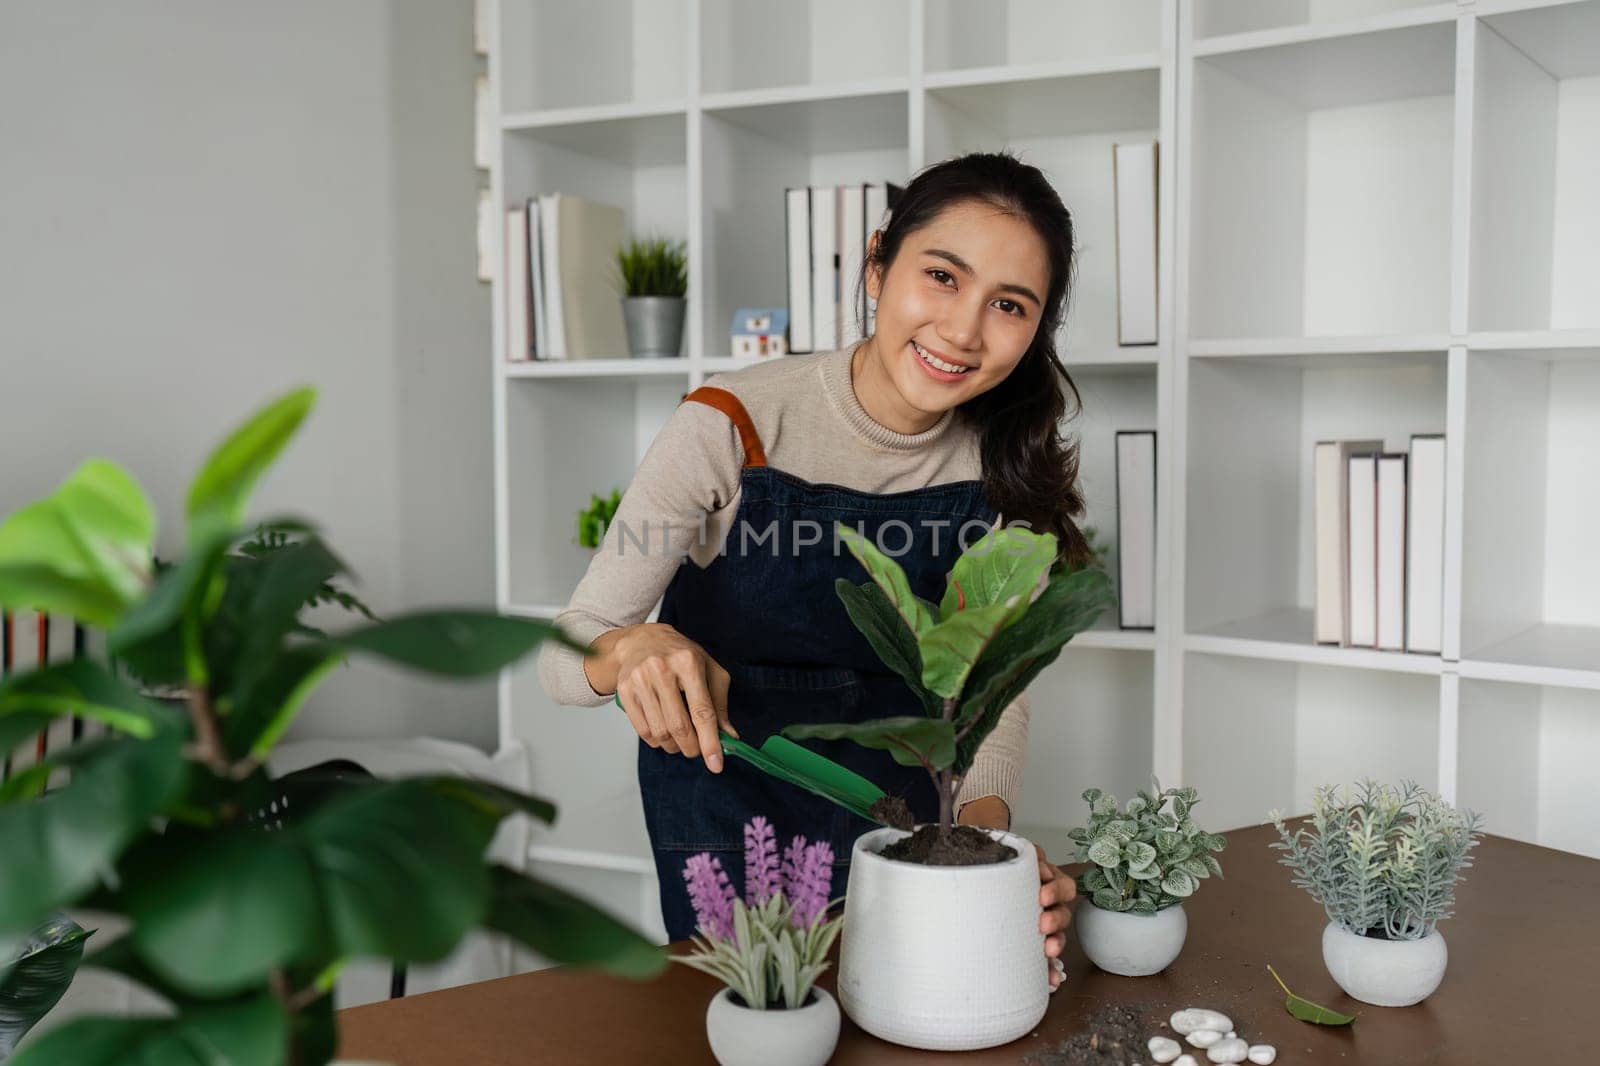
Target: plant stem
(208, 747)
(945, 782)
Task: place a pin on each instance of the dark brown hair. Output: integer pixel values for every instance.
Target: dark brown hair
(1030, 471)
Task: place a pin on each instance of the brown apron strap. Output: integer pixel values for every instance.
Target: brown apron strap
(728, 404)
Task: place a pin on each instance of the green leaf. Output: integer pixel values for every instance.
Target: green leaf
(869, 608)
(265, 711)
(1090, 795)
(1139, 855)
(908, 738)
(1105, 852)
(250, 1031)
(81, 687)
(84, 550)
(220, 491)
(567, 930)
(952, 647)
(1108, 899)
(35, 981)
(1004, 566)
(280, 586)
(456, 643)
(1308, 1011)
(58, 846)
(889, 577)
(1178, 883)
(149, 636)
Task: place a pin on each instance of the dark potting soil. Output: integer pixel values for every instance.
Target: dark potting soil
(965, 846)
(892, 811)
(1114, 1035)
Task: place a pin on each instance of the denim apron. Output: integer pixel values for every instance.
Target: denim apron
(766, 610)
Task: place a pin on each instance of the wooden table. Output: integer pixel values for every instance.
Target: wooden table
(1521, 985)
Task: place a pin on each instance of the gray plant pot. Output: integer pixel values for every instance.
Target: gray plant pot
(654, 325)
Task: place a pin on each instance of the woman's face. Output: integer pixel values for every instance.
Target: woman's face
(967, 290)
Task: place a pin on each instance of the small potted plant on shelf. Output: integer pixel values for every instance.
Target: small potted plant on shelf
(921, 899)
(1384, 863)
(768, 949)
(1146, 861)
(172, 815)
(595, 518)
(654, 276)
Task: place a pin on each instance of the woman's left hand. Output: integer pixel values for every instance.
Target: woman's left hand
(1057, 889)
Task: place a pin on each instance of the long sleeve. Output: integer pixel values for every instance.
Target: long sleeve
(997, 767)
(680, 496)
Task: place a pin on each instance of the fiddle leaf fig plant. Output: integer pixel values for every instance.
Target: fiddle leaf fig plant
(1145, 858)
(243, 894)
(1009, 607)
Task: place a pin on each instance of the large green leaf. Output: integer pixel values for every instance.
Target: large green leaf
(457, 643)
(84, 550)
(220, 491)
(81, 687)
(1005, 565)
(35, 981)
(149, 636)
(869, 608)
(276, 590)
(392, 869)
(952, 648)
(264, 711)
(565, 929)
(56, 847)
(889, 577)
(910, 739)
(249, 1031)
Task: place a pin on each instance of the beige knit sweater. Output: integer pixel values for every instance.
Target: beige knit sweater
(812, 425)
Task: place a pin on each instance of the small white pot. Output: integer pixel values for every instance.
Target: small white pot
(1132, 945)
(945, 958)
(741, 1036)
(1385, 973)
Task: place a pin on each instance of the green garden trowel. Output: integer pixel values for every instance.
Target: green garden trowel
(788, 761)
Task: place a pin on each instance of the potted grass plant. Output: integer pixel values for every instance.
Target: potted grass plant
(1144, 862)
(1384, 863)
(653, 279)
(923, 898)
(243, 894)
(768, 948)
(593, 519)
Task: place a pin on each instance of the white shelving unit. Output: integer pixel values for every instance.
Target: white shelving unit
(1375, 220)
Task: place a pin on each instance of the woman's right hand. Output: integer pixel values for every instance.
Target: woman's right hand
(674, 694)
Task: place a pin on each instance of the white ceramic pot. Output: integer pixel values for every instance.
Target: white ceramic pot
(1385, 973)
(946, 958)
(741, 1036)
(1132, 945)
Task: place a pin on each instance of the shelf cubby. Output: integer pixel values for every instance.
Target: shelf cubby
(960, 35)
(1528, 549)
(1259, 735)
(1320, 187)
(590, 54)
(1066, 126)
(1232, 18)
(767, 44)
(1535, 227)
(1526, 762)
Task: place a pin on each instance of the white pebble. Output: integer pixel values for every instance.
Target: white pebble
(1263, 1054)
(1232, 1034)
(1205, 1037)
(1186, 1060)
(1164, 1048)
(1188, 1020)
(1233, 1050)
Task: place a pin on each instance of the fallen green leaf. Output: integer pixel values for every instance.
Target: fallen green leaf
(1308, 1011)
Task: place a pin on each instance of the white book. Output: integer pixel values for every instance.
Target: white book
(1135, 183)
(797, 215)
(1331, 495)
(852, 250)
(1425, 546)
(877, 217)
(516, 284)
(1362, 606)
(555, 334)
(824, 268)
(1136, 529)
(483, 126)
(485, 235)
(1392, 552)
(540, 330)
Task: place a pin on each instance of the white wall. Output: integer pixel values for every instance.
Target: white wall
(204, 203)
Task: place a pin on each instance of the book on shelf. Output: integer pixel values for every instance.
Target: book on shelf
(1134, 181)
(1331, 496)
(826, 230)
(1136, 528)
(518, 298)
(1425, 545)
(560, 299)
(1391, 558)
(1361, 605)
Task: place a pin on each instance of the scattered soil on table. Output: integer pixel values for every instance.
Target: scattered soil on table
(1114, 1035)
(966, 846)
